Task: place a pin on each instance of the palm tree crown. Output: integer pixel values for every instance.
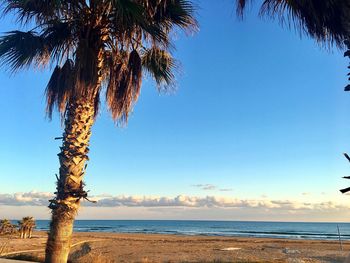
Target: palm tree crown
(95, 44)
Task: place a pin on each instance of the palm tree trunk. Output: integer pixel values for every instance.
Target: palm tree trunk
(30, 232)
(25, 232)
(73, 155)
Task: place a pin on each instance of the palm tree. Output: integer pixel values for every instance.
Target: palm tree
(29, 223)
(6, 227)
(26, 226)
(22, 227)
(95, 46)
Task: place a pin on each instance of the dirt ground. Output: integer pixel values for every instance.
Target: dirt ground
(113, 247)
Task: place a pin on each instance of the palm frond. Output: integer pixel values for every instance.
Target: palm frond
(135, 67)
(127, 12)
(26, 10)
(42, 11)
(326, 21)
(60, 37)
(124, 87)
(175, 13)
(130, 16)
(160, 65)
(60, 87)
(21, 49)
(96, 43)
(241, 6)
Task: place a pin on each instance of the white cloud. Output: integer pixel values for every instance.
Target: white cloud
(205, 186)
(29, 198)
(35, 198)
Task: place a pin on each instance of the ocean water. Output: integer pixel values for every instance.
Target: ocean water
(324, 231)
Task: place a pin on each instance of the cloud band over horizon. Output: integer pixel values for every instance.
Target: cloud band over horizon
(35, 198)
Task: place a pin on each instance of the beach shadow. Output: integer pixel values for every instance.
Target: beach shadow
(84, 250)
(26, 257)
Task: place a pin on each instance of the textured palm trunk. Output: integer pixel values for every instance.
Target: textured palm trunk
(73, 155)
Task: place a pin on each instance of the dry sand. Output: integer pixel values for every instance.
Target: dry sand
(111, 247)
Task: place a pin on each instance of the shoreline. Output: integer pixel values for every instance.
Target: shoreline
(208, 235)
(124, 247)
(297, 231)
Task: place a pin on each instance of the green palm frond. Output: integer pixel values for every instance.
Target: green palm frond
(42, 11)
(60, 37)
(21, 49)
(27, 10)
(127, 13)
(326, 21)
(160, 65)
(323, 20)
(131, 17)
(176, 13)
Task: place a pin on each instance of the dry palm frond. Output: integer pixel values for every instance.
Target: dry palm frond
(59, 88)
(124, 86)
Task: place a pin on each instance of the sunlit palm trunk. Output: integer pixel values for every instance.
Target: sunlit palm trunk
(73, 155)
(30, 232)
(25, 233)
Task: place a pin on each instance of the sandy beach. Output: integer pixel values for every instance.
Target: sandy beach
(113, 247)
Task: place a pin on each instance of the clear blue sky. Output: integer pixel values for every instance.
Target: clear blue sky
(258, 110)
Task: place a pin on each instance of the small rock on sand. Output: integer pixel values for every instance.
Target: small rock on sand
(290, 251)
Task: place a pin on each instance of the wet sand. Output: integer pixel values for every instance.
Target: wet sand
(113, 247)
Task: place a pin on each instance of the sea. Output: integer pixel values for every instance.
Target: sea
(288, 230)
